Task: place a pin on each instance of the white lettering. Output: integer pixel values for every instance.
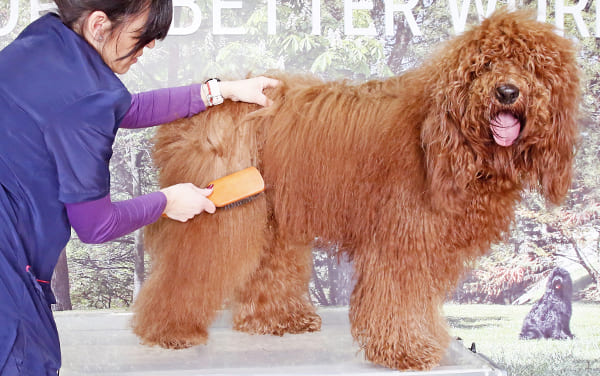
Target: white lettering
(13, 17)
(459, 17)
(218, 28)
(271, 17)
(316, 17)
(491, 6)
(349, 7)
(196, 13)
(541, 11)
(391, 7)
(561, 9)
(458, 9)
(597, 20)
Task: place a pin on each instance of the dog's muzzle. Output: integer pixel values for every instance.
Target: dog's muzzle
(505, 125)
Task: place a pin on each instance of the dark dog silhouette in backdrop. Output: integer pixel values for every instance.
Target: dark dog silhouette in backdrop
(550, 316)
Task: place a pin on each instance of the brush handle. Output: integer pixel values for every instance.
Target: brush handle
(237, 186)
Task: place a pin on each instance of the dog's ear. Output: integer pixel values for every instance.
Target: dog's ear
(451, 165)
(450, 158)
(554, 153)
(555, 165)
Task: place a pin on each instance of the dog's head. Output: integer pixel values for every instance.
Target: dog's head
(560, 284)
(508, 96)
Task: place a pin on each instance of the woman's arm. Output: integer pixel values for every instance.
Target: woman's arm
(163, 106)
(101, 220)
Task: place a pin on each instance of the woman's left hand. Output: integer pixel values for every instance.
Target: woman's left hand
(249, 90)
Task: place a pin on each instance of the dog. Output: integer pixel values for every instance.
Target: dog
(551, 315)
(411, 177)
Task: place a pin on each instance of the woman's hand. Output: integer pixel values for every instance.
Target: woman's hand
(184, 201)
(249, 90)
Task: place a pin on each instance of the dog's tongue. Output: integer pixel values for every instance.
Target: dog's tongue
(506, 128)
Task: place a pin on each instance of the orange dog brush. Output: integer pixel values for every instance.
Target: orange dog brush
(237, 188)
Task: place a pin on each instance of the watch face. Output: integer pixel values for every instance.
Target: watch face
(217, 99)
(214, 92)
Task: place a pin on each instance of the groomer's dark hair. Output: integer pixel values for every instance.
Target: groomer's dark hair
(118, 12)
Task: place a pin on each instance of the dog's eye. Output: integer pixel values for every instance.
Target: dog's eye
(488, 65)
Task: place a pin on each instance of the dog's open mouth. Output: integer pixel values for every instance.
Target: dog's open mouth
(505, 128)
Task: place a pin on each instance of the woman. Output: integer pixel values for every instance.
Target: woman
(60, 107)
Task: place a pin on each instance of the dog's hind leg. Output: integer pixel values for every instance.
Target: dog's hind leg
(197, 265)
(395, 317)
(195, 272)
(275, 300)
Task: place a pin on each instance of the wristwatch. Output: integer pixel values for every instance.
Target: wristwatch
(213, 95)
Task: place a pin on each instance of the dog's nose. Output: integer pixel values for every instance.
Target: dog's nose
(507, 93)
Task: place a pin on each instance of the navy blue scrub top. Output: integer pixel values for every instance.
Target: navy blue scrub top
(60, 107)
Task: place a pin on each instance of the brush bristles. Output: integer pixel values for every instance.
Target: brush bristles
(241, 202)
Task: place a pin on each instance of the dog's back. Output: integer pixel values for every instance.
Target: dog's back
(348, 146)
(351, 146)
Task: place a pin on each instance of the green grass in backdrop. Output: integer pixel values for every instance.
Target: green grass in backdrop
(495, 331)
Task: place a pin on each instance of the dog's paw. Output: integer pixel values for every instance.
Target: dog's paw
(278, 324)
(418, 357)
(175, 341)
(562, 335)
(172, 344)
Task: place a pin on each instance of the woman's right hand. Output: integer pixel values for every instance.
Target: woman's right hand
(185, 200)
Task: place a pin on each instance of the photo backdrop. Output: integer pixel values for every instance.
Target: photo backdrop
(355, 40)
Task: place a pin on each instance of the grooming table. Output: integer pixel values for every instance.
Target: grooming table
(102, 343)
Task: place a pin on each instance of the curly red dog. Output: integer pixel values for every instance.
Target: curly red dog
(412, 177)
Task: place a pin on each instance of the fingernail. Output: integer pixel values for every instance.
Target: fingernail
(210, 186)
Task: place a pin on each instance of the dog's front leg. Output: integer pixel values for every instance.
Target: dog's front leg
(395, 313)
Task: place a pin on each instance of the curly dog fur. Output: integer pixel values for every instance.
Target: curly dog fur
(550, 316)
(405, 175)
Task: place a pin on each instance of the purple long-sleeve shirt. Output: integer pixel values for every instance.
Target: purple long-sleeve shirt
(102, 220)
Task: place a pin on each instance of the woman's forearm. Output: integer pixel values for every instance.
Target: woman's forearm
(163, 106)
(101, 220)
